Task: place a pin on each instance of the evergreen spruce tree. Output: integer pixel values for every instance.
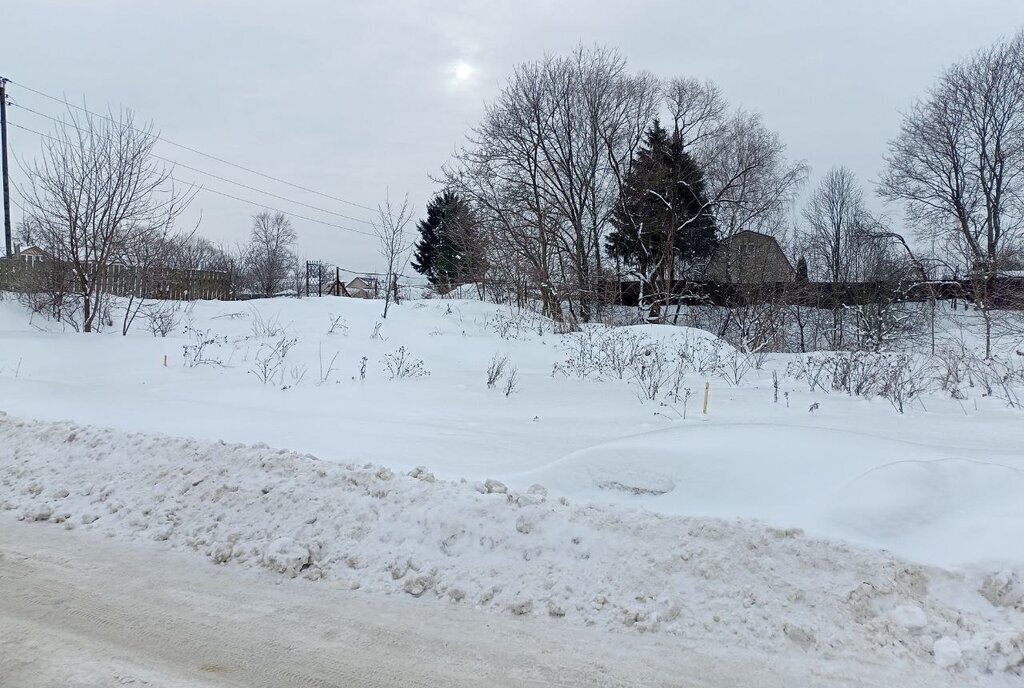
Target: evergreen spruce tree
(443, 252)
(663, 223)
(801, 270)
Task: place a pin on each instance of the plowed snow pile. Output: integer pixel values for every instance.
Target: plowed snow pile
(729, 583)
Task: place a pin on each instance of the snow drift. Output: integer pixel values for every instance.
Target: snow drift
(736, 583)
(920, 500)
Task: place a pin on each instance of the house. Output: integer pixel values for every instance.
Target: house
(30, 255)
(749, 257)
(364, 288)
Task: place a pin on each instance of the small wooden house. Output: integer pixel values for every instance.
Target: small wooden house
(749, 257)
(31, 254)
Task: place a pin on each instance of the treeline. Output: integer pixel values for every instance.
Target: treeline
(583, 172)
(571, 179)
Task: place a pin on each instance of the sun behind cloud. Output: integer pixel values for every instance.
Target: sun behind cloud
(462, 71)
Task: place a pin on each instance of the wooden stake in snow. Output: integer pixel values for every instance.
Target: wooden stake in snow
(707, 390)
(165, 360)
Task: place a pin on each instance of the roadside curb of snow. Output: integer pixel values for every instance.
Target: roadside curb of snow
(732, 583)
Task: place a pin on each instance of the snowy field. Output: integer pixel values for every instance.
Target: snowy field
(375, 456)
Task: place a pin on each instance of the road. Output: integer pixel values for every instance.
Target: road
(78, 610)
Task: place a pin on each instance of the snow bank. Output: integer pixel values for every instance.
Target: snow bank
(730, 582)
(911, 498)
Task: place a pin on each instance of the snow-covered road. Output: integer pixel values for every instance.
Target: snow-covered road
(77, 609)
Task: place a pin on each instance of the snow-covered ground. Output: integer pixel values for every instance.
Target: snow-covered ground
(850, 531)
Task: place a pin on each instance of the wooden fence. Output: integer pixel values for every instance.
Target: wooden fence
(122, 280)
(1002, 292)
(1005, 293)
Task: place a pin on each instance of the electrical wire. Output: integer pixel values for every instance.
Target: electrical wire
(65, 102)
(206, 189)
(219, 178)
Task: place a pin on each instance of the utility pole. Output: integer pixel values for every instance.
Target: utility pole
(8, 236)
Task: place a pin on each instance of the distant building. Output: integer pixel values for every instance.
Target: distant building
(31, 254)
(364, 288)
(750, 258)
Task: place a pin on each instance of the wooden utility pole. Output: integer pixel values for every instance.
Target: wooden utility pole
(8, 236)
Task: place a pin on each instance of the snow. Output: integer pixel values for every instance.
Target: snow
(938, 486)
(87, 620)
(947, 652)
(910, 617)
(898, 495)
(712, 581)
(849, 531)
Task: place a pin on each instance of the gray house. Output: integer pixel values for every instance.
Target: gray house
(750, 258)
(364, 288)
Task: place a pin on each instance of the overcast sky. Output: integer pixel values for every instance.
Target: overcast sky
(358, 98)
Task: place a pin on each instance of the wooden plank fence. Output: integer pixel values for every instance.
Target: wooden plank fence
(124, 280)
(1004, 293)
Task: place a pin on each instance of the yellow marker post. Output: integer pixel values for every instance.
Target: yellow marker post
(707, 390)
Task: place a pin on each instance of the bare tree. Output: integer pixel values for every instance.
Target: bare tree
(750, 181)
(148, 258)
(28, 233)
(96, 191)
(544, 168)
(835, 216)
(270, 255)
(472, 248)
(697, 109)
(958, 161)
(887, 318)
(959, 158)
(394, 245)
(837, 242)
(194, 252)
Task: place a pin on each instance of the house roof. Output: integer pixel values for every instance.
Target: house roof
(748, 232)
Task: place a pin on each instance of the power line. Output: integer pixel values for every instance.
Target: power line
(199, 152)
(227, 195)
(278, 210)
(223, 179)
(378, 274)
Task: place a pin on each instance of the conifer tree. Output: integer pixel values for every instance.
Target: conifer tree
(801, 270)
(443, 252)
(664, 226)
